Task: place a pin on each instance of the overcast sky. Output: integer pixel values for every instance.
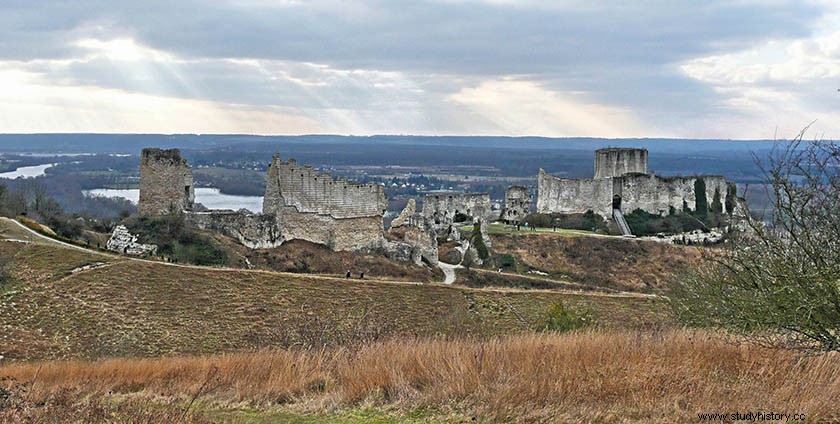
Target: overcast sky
(692, 69)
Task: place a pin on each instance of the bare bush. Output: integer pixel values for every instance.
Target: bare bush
(781, 282)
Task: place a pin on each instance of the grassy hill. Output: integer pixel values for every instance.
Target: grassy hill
(67, 303)
(607, 262)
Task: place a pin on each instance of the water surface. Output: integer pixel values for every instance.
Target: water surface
(209, 197)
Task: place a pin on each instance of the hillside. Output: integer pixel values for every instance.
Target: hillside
(68, 303)
(607, 262)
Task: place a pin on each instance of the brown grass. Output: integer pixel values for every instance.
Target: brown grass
(128, 308)
(593, 376)
(301, 256)
(611, 262)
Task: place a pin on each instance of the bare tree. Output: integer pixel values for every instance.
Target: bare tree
(780, 282)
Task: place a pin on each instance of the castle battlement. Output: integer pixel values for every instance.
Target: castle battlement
(311, 192)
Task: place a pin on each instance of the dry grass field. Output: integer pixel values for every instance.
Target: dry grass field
(118, 307)
(88, 337)
(613, 376)
(609, 262)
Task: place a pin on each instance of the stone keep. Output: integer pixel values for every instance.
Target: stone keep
(166, 182)
(626, 190)
(615, 162)
(315, 207)
(517, 204)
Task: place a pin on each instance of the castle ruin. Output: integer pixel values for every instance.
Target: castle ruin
(446, 208)
(622, 183)
(315, 207)
(517, 204)
(166, 182)
(299, 203)
(615, 162)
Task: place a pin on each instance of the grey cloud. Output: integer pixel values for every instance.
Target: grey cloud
(415, 35)
(622, 54)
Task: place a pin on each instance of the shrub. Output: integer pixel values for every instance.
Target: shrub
(588, 221)
(477, 241)
(559, 319)
(538, 220)
(701, 205)
(6, 280)
(176, 239)
(717, 206)
(505, 260)
(779, 284)
(644, 223)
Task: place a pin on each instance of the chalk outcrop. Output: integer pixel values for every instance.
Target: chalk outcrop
(124, 242)
(406, 214)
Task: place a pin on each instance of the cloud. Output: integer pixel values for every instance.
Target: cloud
(782, 85)
(426, 67)
(523, 107)
(26, 106)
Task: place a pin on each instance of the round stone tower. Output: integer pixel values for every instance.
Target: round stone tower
(166, 182)
(615, 162)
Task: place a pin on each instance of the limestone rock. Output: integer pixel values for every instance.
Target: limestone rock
(405, 216)
(124, 242)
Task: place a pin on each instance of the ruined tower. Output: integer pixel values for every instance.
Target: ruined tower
(615, 162)
(517, 204)
(166, 182)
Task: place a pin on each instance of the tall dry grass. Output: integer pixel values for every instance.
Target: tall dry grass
(590, 376)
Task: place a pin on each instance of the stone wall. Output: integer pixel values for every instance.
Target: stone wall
(658, 195)
(615, 162)
(517, 204)
(315, 207)
(567, 196)
(441, 208)
(166, 182)
(308, 191)
(256, 231)
(650, 193)
(406, 215)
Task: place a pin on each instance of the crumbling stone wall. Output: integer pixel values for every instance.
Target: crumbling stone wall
(405, 216)
(565, 195)
(166, 182)
(256, 231)
(650, 193)
(659, 195)
(517, 204)
(315, 207)
(419, 239)
(441, 208)
(615, 162)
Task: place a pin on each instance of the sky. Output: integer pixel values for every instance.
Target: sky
(684, 69)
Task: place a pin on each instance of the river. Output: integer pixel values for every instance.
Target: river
(27, 171)
(212, 198)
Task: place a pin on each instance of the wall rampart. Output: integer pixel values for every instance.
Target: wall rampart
(441, 208)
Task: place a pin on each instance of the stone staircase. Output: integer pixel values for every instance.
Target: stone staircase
(622, 223)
